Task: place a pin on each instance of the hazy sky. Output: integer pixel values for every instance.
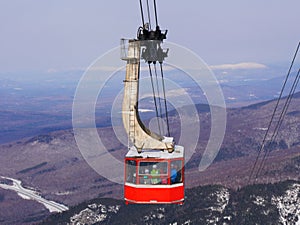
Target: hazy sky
(69, 34)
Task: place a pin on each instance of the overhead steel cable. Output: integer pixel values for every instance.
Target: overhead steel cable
(155, 11)
(142, 13)
(154, 98)
(158, 92)
(273, 115)
(281, 118)
(165, 99)
(282, 114)
(149, 17)
(290, 97)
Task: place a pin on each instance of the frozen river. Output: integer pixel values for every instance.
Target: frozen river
(32, 195)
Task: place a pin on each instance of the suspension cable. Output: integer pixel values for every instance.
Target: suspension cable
(282, 115)
(142, 13)
(165, 99)
(154, 1)
(290, 97)
(281, 118)
(154, 98)
(149, 17)
(273, 115)
(158, 93)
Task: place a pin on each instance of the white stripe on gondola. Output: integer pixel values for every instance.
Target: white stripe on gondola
(154, 201)
(157, 186)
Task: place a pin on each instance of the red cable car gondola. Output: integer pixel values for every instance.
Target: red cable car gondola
(154, 176)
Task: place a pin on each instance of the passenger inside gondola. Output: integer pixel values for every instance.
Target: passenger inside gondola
(154, 173)
(175, 174)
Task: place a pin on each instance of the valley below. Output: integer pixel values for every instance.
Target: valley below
(53, 165)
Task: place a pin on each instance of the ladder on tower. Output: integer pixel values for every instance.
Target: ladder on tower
(132, 115)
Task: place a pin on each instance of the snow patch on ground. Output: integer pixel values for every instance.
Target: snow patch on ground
(24, 196)
(157, 214)
(289, 205)
(94, 213)
(222, 200)
(259, 201)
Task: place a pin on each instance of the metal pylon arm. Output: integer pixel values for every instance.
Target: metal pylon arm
(139, 135)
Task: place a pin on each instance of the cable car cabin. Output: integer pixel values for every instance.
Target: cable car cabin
(154, 177)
